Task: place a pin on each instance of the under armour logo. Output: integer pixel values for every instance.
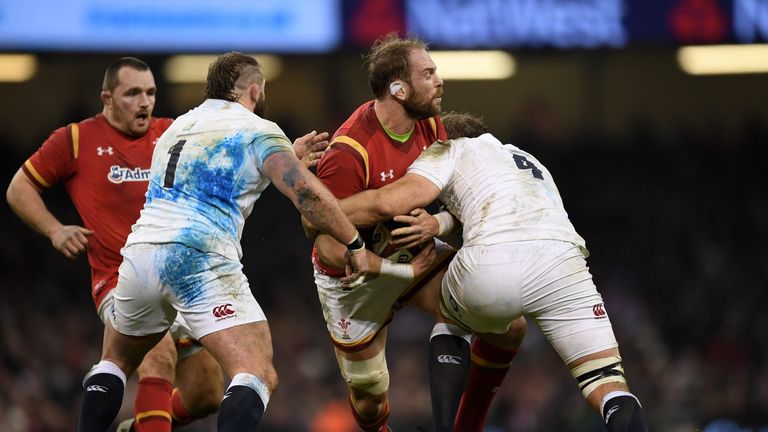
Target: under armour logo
(385, 175)
(447, 358)
(97, 388)
(101, 151)
(223, 310)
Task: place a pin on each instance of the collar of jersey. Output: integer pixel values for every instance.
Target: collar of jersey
(401, 138)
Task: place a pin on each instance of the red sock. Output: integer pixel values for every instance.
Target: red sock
(153, 405)
(180, 414)
(486, 373)
(376, 424)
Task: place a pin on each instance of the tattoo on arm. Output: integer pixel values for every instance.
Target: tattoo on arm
(307, 200)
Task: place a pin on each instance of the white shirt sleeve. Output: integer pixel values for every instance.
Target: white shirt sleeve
(437, 163)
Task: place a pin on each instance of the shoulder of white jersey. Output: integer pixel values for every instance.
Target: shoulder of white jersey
(269, 127)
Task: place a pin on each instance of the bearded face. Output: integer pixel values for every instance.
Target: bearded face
(422, 105)
(261, 106)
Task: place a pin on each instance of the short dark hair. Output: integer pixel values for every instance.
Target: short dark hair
(462, 124)
(111, 81)
(388, 61)
(230, 71)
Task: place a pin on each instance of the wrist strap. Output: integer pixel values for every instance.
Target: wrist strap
(400, 271)
(356, 245)
(444, 223)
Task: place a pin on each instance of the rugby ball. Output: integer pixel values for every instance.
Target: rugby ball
(381, 239)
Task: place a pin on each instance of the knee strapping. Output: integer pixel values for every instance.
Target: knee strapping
(595, 373)
(370, 375)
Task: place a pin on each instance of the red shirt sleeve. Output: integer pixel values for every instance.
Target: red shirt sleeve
(52, 163)
(342, 170)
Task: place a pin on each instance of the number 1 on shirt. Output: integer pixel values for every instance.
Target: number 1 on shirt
(170, 170)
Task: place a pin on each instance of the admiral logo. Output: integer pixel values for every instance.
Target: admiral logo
(224, 311)
(101, 151)
(387, 175)
(599, 311)
(118, 174)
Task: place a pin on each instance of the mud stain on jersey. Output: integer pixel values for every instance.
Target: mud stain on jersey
(436, 150)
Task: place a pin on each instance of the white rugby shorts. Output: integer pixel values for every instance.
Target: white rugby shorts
(488, 286)
(186, 344)
(354, 316)
(157, 281)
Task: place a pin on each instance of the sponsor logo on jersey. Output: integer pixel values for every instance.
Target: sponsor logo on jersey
(101, 151)
(387, 175)
(599, 311)
(118, 174)
(344, 326)
(222, 312)
(448, 359)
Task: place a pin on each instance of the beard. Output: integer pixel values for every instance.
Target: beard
(261, 106)
(420, 108)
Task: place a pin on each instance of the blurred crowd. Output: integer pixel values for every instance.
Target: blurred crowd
(674, 225)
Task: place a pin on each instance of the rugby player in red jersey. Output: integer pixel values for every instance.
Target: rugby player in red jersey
(103, 163)
(373, 148)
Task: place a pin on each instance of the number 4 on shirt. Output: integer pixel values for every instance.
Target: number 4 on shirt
(523, 163)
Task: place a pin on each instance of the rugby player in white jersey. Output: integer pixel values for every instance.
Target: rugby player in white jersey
(520, 256)
(183, 255)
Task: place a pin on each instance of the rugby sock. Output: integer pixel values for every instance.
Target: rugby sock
(622, 413)
(152, 406)
(376, 424)
(487, 372)
(449, 359)
(243, 405)
(104, 386)
(179, 412)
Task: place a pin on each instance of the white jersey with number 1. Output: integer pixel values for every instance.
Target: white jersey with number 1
(205, 178)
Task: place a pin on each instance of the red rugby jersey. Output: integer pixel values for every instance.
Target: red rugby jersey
(105, 173)
(363, 156)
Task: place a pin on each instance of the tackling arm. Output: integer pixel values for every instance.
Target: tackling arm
(308, 195)
(373, 206)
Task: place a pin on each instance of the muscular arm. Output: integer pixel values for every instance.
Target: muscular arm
(373, 206)
(308, 195)
(25, 200)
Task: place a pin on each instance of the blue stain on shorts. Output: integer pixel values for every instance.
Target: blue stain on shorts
(183, 271)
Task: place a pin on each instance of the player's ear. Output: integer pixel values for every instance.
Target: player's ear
(397, 89)
(106, 97)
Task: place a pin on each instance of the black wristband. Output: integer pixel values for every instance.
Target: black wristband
(356, 244)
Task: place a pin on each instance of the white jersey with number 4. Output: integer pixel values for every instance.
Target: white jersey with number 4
(498, 192)
(205, 178)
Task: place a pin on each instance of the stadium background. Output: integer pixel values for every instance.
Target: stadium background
(661, 171)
